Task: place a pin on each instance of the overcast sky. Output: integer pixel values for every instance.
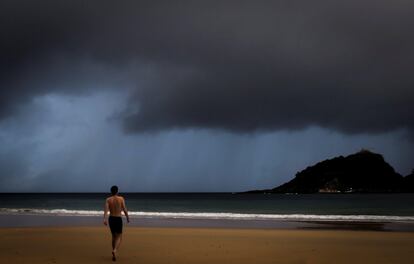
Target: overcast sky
(199, 95)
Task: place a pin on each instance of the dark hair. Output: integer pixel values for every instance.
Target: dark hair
(114, 190)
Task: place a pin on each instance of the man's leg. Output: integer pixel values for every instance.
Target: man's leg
(118, 241)
(113, 246)
(113, 241)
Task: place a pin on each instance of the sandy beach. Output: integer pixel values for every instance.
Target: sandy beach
(204, 245)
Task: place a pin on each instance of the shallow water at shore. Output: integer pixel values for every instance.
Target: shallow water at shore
(69, 221)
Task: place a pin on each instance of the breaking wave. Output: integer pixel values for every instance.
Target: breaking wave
(216, 215)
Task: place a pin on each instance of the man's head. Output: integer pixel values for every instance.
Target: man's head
(114, 190)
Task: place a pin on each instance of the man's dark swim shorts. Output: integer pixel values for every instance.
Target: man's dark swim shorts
(115, 224)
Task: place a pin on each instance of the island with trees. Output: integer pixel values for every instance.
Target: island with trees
(362, 172)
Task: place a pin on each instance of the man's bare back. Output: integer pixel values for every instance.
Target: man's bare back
(116, 204)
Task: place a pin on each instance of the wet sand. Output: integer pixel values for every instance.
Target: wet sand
(21, 220)
(204, 245)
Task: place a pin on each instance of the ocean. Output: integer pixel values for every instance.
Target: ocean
(226, 206)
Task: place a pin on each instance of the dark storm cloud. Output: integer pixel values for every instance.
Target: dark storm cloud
(234, 65)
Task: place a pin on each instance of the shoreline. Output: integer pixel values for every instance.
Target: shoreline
(27, 221)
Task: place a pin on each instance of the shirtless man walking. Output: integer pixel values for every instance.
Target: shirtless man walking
(115, 205)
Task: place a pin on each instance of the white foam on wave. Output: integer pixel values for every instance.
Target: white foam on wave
(218, 215)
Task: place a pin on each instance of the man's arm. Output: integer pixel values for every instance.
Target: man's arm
(106, 209)
(125, 209)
